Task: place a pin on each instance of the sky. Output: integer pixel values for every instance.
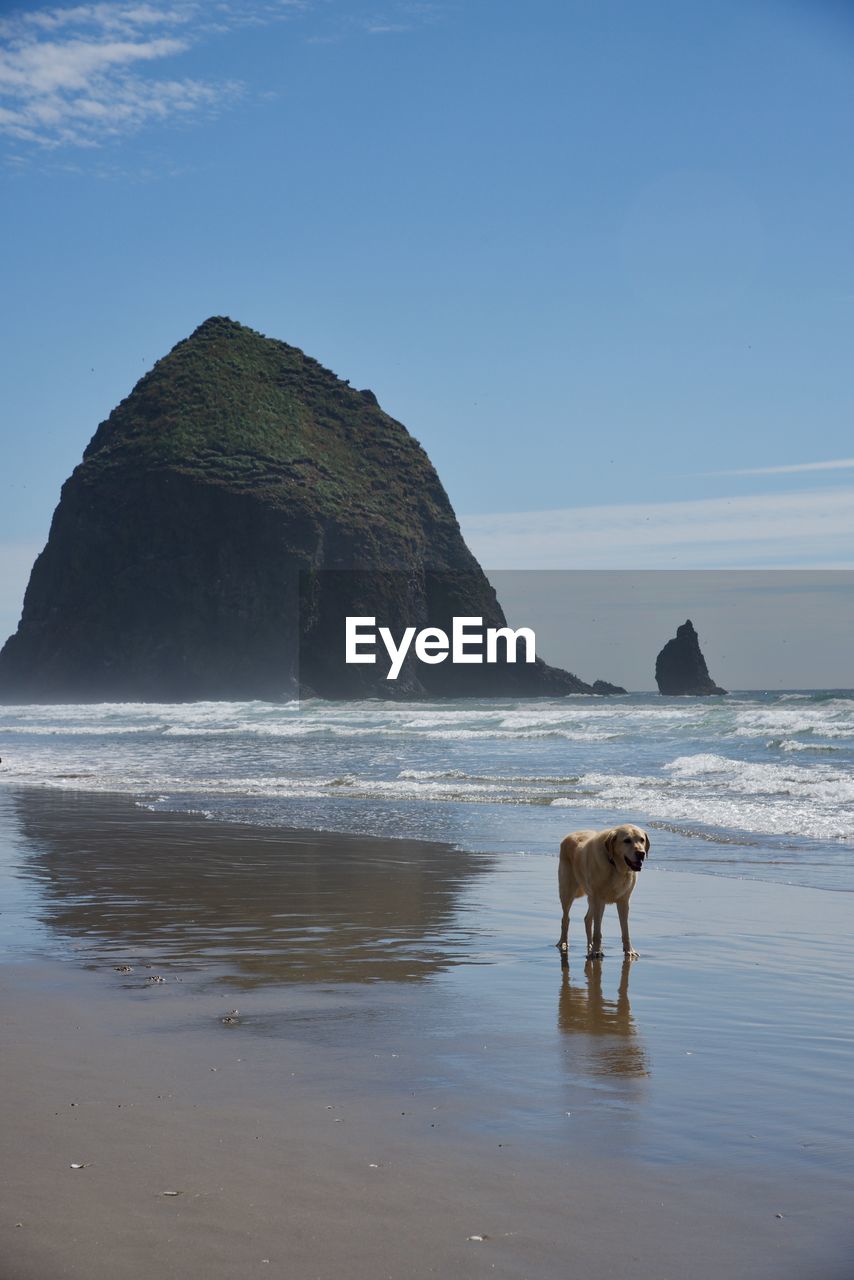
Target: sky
(595, 254)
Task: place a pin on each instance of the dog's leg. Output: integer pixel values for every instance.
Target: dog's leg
(588, 927)
(597, 909)
(623, 913)
(563, 941)
(566, 886)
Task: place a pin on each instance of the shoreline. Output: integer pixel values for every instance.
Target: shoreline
(409, 1066)
(137, 802)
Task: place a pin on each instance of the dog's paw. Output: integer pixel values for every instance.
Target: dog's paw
(631, 954)
(595, 954)
(562, 946)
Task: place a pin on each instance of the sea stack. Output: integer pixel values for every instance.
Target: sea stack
(680, 668)
(225, 519)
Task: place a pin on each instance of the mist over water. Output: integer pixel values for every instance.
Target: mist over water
(752, 784)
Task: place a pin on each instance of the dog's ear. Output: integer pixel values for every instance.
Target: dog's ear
(609, 841)
(646, 842)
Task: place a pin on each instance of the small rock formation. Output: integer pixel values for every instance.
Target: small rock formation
(225, 520)
(680, 668)
(605, 689)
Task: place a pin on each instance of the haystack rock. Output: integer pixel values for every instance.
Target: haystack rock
(681, 669)
(225, 519)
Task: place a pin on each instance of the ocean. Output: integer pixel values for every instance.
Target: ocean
(755, 784)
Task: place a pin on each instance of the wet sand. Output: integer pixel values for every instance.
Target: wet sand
(365, 1058)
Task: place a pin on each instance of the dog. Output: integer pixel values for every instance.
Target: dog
(605, 866)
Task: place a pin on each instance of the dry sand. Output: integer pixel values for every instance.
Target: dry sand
(411, 1084)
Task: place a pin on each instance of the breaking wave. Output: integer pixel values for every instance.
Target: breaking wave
(750, 770)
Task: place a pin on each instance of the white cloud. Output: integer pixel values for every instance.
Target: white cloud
(72, 76)
(791, 530)
(83, 74)
(39, 70)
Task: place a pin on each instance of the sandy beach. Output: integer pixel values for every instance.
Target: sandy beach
(233, 1051)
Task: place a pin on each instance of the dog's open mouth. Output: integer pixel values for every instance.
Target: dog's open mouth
(635, 863)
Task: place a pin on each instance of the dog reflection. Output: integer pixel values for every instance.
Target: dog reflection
(607, 1036)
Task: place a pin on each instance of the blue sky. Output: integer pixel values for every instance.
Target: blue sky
(596, 255)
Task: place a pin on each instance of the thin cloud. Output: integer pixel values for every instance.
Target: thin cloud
(402, 17)
(128, 19)
(398, 17)
(836, 464)
(85, 74)
(791, 530)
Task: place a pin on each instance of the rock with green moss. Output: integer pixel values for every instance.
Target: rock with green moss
(224, 520)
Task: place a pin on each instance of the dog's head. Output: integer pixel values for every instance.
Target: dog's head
(627, 844)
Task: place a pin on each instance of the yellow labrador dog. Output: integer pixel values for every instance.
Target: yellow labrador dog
(604, 865)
